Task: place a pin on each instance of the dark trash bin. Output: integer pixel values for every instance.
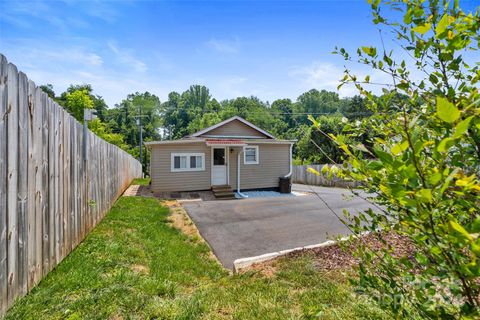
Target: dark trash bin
(285, 185)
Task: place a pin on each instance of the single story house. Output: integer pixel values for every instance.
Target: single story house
(233, 153)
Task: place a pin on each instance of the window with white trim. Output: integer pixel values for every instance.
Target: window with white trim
(187, 162)
(250, 155)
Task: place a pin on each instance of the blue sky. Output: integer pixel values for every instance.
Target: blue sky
(271, 49)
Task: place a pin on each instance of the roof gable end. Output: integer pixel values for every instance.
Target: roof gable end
(230, 120)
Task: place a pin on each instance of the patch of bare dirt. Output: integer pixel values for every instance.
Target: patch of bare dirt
(180, 220)
(268, 269)
(116, 317)
(138, 268)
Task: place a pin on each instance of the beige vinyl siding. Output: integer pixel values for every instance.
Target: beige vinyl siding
(273, 164)
(234, 128)
(165, 180)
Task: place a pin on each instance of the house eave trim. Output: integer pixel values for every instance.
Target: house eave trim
(199, 133)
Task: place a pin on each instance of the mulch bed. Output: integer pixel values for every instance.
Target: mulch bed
(336, 258)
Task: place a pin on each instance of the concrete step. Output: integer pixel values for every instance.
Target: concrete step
(222, 187)
(227, 198)
(224, 194)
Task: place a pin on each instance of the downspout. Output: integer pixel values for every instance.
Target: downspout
(291, 162)
(238, 175)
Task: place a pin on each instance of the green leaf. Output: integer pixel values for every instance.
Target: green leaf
(425, 195)
(422, 29)
(462, 127)
(446, 110)
(383, 156)
(476, 225)
(361, 147)
(421, 258)
(458, 228)
(399, 148)
(442, 25)
(445, 144)
(449, 179)
(435, 178)
(374, 165)
(370, 51)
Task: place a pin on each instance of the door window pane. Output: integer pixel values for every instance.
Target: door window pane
(219, 157)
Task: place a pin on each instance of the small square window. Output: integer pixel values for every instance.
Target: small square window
(251, 155)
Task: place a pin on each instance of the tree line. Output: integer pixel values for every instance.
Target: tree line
(194, 109)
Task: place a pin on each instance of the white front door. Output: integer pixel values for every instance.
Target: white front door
(219, 166)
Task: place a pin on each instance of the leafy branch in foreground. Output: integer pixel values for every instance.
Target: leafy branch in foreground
(425, 168)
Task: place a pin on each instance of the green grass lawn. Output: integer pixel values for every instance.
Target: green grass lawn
(135, 266)
(141, 181)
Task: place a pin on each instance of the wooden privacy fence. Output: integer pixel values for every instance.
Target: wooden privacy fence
(50, 198)
(301, 175)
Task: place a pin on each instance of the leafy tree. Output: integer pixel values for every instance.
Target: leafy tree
(98, 103)
(283, 109)
(316, 103)
(205, 121)
(123, 120)
(76, 101)
(173, 119)
(312, 140)
(426, 165)
(354, 108)
(48, 89)
(102, 130)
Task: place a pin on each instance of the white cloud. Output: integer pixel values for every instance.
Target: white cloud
(20, 14)
(73, 56)
(322, 75)
(224, 46)
(105, 68)
(230, 86)
(125, 56)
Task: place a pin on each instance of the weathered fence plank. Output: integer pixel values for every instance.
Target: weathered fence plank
(40, 195)
(300, 174)
(3, 185)
(31, 183)
(47, 174)
(12, 181)
(50, 196)
(22, 183)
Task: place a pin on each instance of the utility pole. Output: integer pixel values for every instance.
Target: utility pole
(139, 124)
(140, 127)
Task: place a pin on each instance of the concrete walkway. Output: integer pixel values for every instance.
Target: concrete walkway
(250, 227)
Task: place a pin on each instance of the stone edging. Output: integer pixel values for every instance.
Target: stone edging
(242, 263)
